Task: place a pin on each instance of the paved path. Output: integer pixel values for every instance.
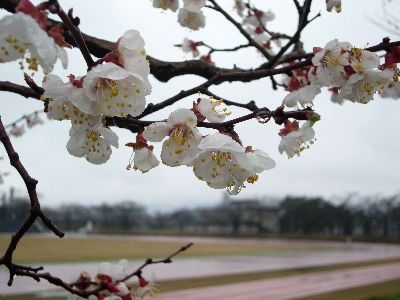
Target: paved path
(291, 287)
(219, 265)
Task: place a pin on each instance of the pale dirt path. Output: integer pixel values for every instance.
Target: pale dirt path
(291, 287)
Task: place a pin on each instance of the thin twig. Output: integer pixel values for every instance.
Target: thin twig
(150, 261)
(35, 212)
(218, 8)
(75, 32)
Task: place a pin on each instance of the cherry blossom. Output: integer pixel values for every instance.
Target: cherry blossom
(209, 109)
(92, 143)
(145, 288)
(191, 17)
(361, 87)
(336, 97)
(17, 130)
(34, 120)
(393, 91)
(362, 60)
(131, 55)
(239, 7)
(62, 97)
(114, 90)
(20, 34)
(331, 62)
(224, 163)
(189, 46)
(302, 96)
(295, 139)
(334, 4)
(258, 34)
(181, 147)
(166, 4)
(143, 156)
(259, 18)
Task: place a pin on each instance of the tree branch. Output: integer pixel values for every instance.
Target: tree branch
(36, 211)
(218, 8)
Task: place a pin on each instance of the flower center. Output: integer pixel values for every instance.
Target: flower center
(181, 134)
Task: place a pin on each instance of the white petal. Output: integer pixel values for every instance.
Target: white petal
(145, 159)
(156, 131)
(220, 142)
(182, 116)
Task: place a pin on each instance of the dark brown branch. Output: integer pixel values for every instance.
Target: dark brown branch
(18, 89)
(298, 6)
(35, 212)
(251, 105)
(302, 23)
(74, 30)
(182, 94)
(233, 49)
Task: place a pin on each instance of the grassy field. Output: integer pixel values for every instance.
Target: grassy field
(386, 288)
(69, 249)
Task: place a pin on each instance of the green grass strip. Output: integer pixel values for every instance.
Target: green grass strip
(389, 290)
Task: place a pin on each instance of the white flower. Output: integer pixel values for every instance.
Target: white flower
(209, 109)
(34, 120)
(194, 4)
(191, 18)
(259, 18)
(92, 143)
(63, 101)
(181, 146)
(20, 33)
(239, 7)
(132, 56)
(17, 130)
(304, 96)
(143, 156)
(258, 34)
(337, 4)
(336, 97)
(362, 60)
(144, 159)
(224, 163)
(393, 91)
(146, 288)
(361, 87)
(114, 90)
(330, 62)
(190, 46)
(297, 140)
(166, 4)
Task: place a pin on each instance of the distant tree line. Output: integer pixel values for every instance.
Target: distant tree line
(292, 215)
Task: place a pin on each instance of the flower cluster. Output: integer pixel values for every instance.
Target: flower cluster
(255, 24)
(219, 159)
(109, 279)
(350, 73)
(296, 139)
(28, 36)
(116, 87)
(190, 15)
(18, 129)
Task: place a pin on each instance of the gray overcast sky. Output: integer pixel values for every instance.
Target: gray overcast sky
(356, 151)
